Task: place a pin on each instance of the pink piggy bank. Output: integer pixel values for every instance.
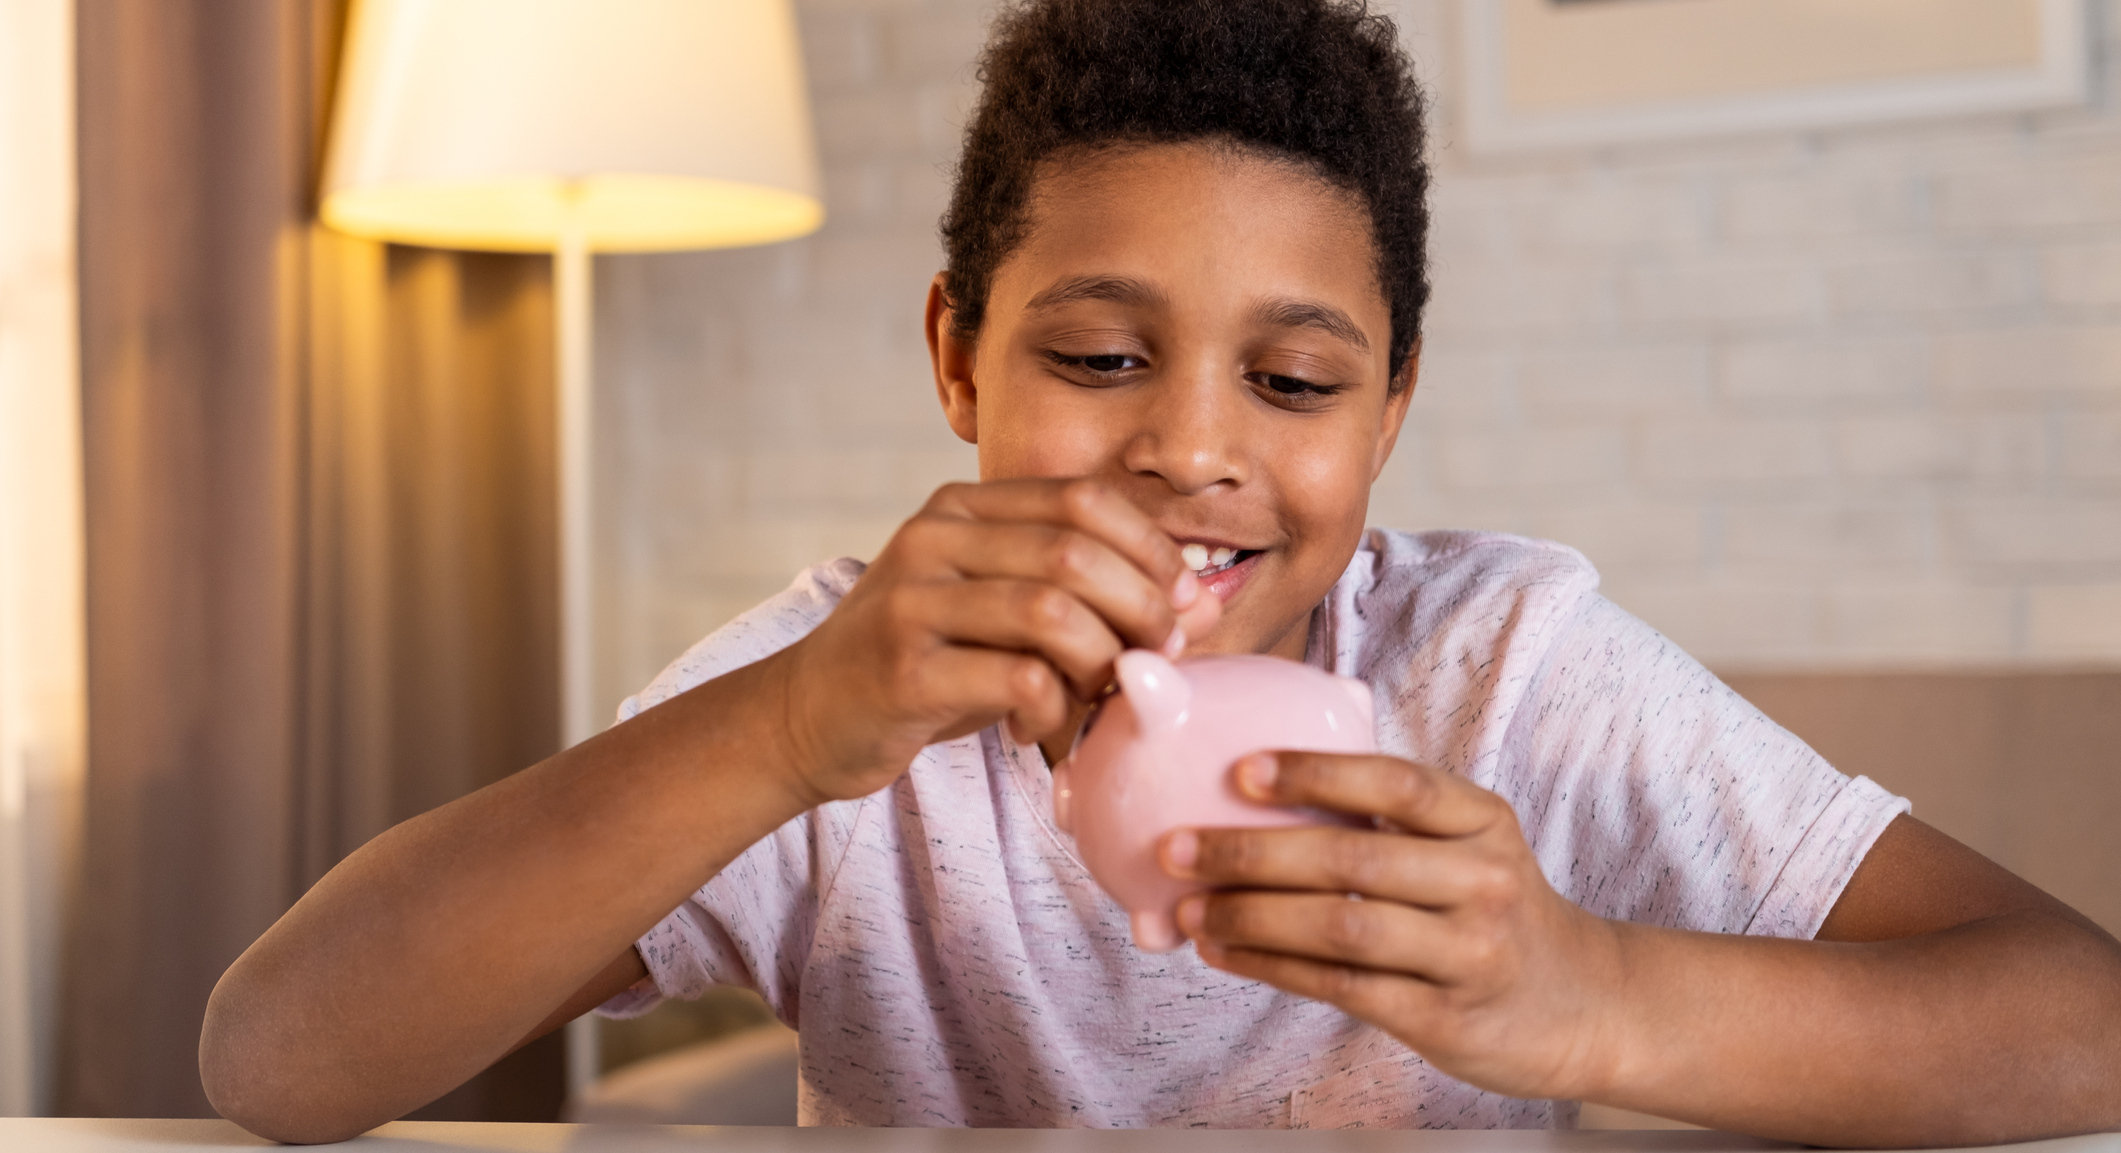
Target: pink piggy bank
(1156, 756)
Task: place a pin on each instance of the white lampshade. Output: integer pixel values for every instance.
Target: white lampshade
(645, 124)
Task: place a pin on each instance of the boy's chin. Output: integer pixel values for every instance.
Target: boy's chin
(1235, 635)
(1249, 623)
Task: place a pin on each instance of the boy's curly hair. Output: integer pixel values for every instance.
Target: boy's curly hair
(1322, 82)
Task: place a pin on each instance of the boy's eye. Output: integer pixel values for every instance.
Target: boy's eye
(1290, 388)
(1102, 363)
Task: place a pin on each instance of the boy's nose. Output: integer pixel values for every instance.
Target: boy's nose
(1188, 432)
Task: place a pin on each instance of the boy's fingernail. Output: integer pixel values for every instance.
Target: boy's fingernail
(1185, 591)
(1175, 643)
(1181, 850)
(1256, 773)
(1192, 914)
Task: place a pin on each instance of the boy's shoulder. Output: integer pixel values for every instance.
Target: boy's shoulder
(1468, 592)
(1444, 561)
(757, 633)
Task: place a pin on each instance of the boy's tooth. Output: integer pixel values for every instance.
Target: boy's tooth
(1221, 556)
(1195, 555)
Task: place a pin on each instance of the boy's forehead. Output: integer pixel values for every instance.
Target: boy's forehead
(1137, 224)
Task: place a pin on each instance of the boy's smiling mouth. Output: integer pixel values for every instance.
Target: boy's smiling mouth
(1206, 560)
(1222, 569)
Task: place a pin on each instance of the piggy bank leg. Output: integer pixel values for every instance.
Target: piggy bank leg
(1063, 795)
(1154, 931)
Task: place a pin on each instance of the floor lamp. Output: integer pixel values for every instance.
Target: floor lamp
(572, 127)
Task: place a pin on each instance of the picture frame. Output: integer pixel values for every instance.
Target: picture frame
(1542, 74)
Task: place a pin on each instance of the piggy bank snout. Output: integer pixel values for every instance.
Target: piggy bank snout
(1154, 931)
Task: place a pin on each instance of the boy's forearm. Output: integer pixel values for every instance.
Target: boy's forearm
(431, 950)
(1998, 1029)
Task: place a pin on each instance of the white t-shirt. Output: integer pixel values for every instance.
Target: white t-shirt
(949, 962)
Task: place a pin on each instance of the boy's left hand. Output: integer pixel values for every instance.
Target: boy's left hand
(1438, 927)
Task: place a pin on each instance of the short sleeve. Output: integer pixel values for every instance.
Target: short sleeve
(750, 924)
(1652, 792)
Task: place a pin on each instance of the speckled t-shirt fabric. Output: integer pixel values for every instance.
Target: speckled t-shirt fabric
(949, 962)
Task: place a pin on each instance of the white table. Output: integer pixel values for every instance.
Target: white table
(85, 1135)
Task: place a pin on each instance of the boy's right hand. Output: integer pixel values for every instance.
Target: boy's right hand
(1001, 600)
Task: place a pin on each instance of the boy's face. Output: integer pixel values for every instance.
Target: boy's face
(1202, 329)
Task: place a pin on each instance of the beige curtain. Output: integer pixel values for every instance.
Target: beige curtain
(321, 545)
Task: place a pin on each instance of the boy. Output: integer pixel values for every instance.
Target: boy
(1180, 320)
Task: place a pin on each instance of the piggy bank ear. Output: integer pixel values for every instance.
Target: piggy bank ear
(1365, 707)
(1155, 687)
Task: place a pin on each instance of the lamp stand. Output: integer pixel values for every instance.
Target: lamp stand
(578, 722)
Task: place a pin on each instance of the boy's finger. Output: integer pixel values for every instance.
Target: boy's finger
(1025, 616)
(1083, 504)
(974, 687)
(1372, 995)
(1080, 564)
(1323, 927)
(1436, 874)
(1417, 798)
(1200, 618)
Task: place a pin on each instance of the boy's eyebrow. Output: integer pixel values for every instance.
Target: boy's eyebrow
(1281, 312)
(1116, 289)
(1285, 313)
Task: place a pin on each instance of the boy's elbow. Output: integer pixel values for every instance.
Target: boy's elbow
(269, 1110)
(253, 1079)
(2082, 1040)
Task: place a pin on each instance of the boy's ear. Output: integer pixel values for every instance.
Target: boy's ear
(951, 356)
(1395, 414)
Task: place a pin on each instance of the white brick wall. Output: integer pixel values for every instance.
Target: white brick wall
(1848, 398)
(1868, 382)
